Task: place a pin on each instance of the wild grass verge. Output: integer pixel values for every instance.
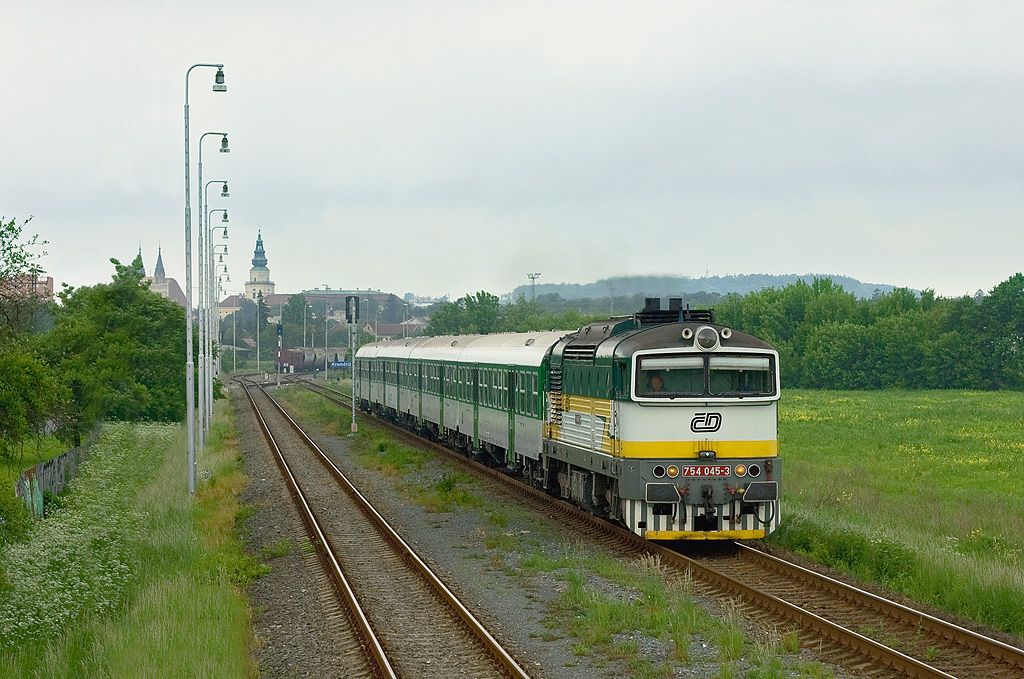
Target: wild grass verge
(129, 576)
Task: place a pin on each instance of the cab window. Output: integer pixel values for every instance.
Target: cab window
(668, 376)
(741, 376)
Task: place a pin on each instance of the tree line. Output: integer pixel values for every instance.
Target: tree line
(107, 351)
(827, 338)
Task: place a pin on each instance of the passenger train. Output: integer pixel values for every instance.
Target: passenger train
(662, 421)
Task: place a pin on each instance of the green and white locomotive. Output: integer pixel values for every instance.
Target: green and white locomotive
(663, 421)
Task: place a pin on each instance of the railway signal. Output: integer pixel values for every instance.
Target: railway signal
(352, 319)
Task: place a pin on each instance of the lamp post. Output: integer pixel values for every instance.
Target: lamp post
(218, 86)
(205, 408)
(280, 339)
(325, 331)
(208, 386)
(234, 337)
(208, 230)
(208, 293)
(213, 333)
(366, 315)
(219, 289)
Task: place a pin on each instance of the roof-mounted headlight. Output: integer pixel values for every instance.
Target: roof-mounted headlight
(707, 338)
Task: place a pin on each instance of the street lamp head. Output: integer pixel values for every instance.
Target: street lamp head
(224, 144)
(224, 219)
(218, 81)
(225, 233)
(224, 191)
(220, 259)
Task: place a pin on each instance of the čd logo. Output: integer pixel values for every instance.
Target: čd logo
(704, 422)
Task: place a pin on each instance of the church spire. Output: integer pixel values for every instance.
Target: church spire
(259, 256)
(158, 272)
(142, 268)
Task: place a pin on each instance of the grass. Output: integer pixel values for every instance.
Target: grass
(610, 605)
(447, 494)
(130, 576)
(374, 449)
(914, 490)
(328, 416)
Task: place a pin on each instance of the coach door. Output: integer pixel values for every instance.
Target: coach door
(474, 376)
(510, 403)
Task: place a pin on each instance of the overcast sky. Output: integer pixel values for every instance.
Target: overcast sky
(447, 147)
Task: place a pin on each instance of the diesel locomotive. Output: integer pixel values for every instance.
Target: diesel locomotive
(663, 421)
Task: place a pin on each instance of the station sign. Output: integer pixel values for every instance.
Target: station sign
(340, 365)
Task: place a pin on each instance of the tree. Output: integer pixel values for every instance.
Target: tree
(295, 309)
(28, 396)
(481, 312)
(19, 265)
(117, 348)
(448, 319)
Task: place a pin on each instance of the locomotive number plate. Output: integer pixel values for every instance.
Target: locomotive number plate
(706, 470)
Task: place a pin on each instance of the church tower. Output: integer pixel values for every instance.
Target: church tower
(259, 274)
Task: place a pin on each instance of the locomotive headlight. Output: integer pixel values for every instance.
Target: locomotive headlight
(672, 471)
(741, 469)
(707, 338)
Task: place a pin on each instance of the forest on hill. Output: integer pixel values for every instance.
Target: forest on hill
(679, 286)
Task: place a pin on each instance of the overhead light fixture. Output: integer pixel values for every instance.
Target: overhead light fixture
(224, 144)
(218, 81)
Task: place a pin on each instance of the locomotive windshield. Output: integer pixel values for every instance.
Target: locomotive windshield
(688, 376)
(659, 376)
(741, 376)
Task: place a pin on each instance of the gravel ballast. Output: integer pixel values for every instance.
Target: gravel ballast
(293, 605)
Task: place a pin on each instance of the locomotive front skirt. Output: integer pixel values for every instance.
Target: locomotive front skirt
(667, 427)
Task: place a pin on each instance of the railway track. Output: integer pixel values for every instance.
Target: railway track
(866, 633)
(403, 619)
